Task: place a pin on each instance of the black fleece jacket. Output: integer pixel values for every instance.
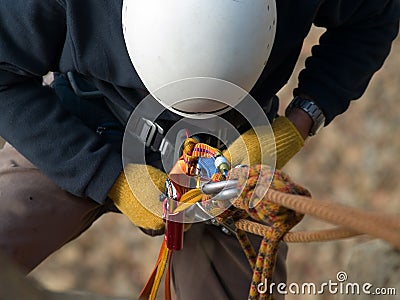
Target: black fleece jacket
(38, 36)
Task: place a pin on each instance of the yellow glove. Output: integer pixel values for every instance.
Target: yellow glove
(246, 150)
(128, 203)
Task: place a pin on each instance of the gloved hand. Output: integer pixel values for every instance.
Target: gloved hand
(128, 203)
(246, 150)
(253, 182)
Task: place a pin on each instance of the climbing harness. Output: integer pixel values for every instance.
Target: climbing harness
(202, 186)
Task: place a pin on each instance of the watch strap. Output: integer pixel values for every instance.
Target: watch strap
(311, 109)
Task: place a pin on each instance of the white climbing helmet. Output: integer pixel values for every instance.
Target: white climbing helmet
(196, 45)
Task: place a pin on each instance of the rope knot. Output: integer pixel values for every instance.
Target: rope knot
(254, 182)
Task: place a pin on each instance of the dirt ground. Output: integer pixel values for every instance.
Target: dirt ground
(354, 161)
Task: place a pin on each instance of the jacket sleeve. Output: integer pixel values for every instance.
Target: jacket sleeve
(357, 41)
(32, 35)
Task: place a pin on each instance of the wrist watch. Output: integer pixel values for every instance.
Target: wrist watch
(311, 109)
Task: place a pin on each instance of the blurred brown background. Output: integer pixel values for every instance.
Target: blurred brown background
(354, 161)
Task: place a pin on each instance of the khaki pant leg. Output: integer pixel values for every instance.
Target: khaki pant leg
(36, 216)
(213, 266)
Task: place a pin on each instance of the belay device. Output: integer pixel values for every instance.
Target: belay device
(199, 163)
(182, 202)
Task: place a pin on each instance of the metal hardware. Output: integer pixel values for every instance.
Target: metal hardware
(79, 92)
(174, 226)
(206, 167)
(216, 187)
(222, 164)
(226, 194)
(151, 135)
(228, 226)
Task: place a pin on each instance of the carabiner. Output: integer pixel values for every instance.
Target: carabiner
(211, 188)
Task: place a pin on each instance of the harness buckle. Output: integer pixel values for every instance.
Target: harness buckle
(148, 132)
(228, 226)
(151, 135)
(75, 81)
